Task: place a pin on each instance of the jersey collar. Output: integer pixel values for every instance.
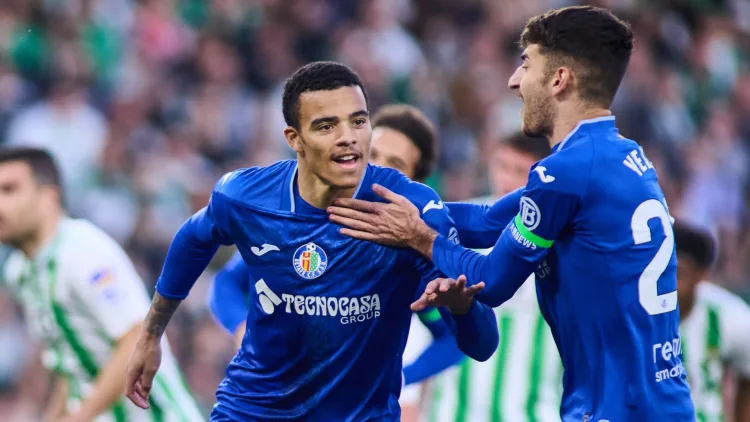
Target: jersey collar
(599, 121)
(287, 200)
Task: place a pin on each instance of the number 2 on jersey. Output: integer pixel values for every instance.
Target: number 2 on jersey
(648, 294)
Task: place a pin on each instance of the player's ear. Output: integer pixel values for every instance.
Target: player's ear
(561, 80)
(293, 139)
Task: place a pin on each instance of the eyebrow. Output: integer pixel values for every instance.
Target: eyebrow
(334, 119)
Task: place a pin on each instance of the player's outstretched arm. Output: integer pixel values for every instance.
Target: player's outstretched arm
(441, 354)
(191, 250)
(479, 226)
(227, 297)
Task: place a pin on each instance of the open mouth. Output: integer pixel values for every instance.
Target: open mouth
(348, 161)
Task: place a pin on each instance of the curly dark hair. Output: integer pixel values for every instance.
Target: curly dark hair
(413, 124)
(592, 41)
(696, 243)
(315, 76)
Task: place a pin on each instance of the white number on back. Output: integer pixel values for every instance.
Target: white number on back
(648, 294)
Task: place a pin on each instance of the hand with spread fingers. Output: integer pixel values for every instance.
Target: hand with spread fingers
(397, 223)
(453, 294)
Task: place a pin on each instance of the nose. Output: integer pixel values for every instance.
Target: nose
(348, 137)
(514, 82)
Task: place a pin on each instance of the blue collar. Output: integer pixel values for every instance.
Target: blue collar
(606, 121)
(287, 200)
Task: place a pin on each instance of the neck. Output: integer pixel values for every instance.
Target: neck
(316, 192)
(569, 117)
(43, 234)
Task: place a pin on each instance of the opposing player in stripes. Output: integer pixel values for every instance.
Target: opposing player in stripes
(714, 327)
(82, 298)
(522, 381)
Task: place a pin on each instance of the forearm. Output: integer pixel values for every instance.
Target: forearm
(58, 400)
(191, 250)
(109, 383)
(503, 271)
(742, 401)
(476, 331)
(479, 226)
(158, 316)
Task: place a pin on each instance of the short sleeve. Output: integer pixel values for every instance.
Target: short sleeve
(106, 281)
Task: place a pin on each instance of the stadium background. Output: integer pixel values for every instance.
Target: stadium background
(145, 104)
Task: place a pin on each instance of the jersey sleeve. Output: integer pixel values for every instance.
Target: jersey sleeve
(479, 226)
(548, 204)
(476, 332)
(195, 244)
(228, 294)
(736, 325)
(440, 354)
(105, 280)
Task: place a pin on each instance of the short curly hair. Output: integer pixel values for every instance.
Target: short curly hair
(316, 76)
(413, 124)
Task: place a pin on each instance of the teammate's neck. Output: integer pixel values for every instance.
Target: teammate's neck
(569, 117)
(43, 234)
(316, 192)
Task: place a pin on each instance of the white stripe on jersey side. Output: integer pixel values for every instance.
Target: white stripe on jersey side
(581, 123)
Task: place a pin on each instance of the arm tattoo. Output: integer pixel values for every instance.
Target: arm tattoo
(159, 314)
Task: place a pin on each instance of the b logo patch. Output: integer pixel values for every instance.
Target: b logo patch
(530, 215)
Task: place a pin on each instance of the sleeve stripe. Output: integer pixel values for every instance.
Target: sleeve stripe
(528, 235)
(430, 316)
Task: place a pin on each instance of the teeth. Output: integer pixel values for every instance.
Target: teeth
(346, 158)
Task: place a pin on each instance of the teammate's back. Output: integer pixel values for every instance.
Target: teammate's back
(608, 286)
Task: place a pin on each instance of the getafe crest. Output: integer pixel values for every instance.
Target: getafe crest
(310, 261)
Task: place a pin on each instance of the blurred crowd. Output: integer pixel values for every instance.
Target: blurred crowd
(146, 103)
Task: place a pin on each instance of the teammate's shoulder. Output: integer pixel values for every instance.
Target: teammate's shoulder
(563, 171)
(418, 193)
(717, 296)
(256, 183)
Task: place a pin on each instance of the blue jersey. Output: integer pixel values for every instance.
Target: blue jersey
(328, 315)
(594, 225)
(229, 302)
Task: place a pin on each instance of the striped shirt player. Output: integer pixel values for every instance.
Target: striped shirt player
(715, 335)
(521, 382)
(79, 294)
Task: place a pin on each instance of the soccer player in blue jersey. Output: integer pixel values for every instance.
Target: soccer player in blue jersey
(329, 315)
(592, 223)
(403, 138)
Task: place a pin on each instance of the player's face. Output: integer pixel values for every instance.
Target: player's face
(20, 202)
(531, 82)
(391, 148)
(334, 138)
(509, 169)
(689, 274)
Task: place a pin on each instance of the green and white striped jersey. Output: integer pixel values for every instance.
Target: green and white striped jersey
(714, 334)
(80, 294)
(521, 382)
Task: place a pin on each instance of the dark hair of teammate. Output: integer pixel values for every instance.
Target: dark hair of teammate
(536, 147)
(591, 41)
(315, 76)
(413, 124)
(696, 244)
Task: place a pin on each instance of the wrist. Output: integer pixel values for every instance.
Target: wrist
(423, 239)
(461, 310)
